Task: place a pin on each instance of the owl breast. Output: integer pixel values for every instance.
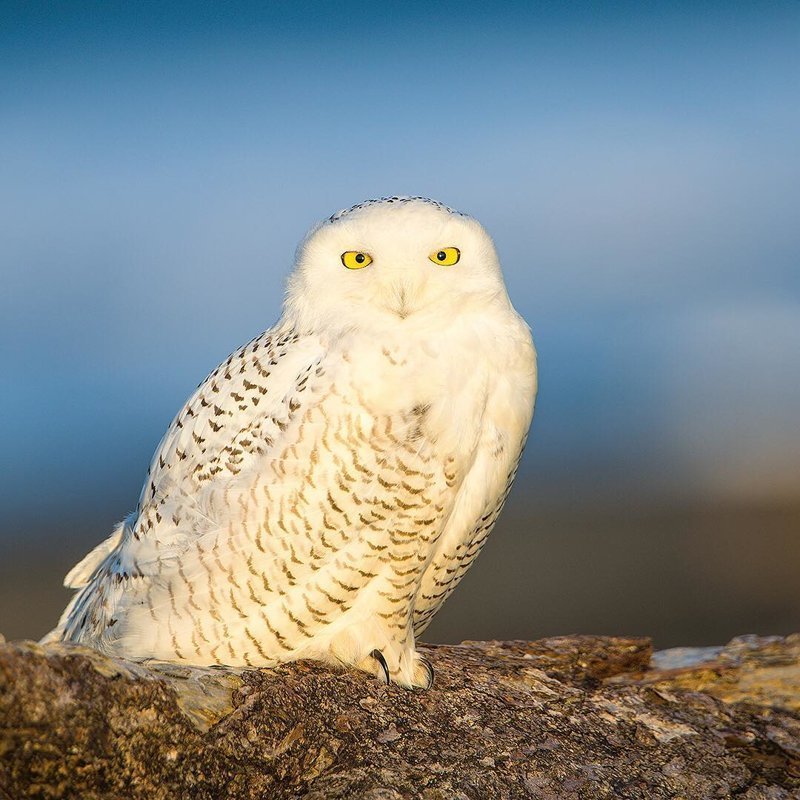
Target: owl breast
(330, 529)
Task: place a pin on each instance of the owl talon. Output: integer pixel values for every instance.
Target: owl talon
(429, 669)
(378, 656)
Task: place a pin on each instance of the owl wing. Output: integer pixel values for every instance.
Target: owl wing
(235, 417)
(480, 499)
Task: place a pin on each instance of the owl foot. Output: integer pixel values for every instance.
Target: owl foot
(412, 670)
(378, 656)
(424, 666)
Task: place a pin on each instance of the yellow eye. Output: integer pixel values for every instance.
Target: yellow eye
(447, 256)
(353, 259)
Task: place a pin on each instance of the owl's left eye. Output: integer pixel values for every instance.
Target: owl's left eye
(447, 256)
(355, 259)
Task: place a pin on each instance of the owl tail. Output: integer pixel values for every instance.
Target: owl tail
(78, 577)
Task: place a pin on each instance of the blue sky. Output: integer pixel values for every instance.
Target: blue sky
(637, 164)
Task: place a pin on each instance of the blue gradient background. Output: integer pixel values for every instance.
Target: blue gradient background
(639, 168)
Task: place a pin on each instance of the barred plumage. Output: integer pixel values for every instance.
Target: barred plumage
(327, 486)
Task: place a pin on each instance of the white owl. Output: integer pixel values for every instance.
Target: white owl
(325, 488)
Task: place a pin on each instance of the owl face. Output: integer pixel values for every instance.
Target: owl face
(394, 262)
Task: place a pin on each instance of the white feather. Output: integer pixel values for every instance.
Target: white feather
(325, 488)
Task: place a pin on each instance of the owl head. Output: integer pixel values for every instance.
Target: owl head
(394, 262)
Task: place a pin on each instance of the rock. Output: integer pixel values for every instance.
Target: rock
(558, 719)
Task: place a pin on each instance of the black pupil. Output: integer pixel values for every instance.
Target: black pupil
(441, 255)
(359, 258)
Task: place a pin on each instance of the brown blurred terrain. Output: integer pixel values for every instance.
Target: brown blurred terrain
(683, 573)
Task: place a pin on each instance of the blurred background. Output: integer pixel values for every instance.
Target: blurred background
(638, 165)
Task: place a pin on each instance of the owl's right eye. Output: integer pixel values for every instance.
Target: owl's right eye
(354, 259)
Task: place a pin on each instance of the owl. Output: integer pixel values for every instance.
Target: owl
(328, 485)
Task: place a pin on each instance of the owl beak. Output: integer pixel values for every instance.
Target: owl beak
(401, 307)
(405, 291)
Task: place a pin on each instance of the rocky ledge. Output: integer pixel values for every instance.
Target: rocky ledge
(565, 718)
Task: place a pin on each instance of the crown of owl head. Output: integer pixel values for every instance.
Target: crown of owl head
(396, 199)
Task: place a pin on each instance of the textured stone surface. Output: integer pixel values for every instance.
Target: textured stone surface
(573, 717)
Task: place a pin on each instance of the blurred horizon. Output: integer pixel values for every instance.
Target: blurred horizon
(638, 166)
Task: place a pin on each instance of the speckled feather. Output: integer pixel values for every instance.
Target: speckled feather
(326, 487)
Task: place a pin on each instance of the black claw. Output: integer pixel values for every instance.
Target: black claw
(429, 669)
(378, 656)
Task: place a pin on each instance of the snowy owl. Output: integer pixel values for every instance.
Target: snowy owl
(326, 487)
